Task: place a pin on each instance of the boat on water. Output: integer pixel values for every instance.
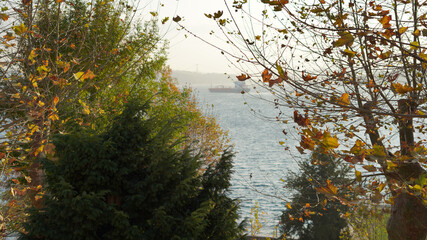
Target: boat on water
(238, 88)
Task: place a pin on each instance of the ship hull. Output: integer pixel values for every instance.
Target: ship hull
(228, 90)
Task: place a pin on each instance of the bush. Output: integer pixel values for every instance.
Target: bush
(132, 182)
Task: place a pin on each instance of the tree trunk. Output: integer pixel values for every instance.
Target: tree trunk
(408, 219)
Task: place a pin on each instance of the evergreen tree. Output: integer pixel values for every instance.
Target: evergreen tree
(132, 182)
(311, 215)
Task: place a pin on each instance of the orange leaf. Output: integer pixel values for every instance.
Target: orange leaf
(385, 21)
(402, 30)
(308, 77)
(272, 82)
(344, 99)
(402, 89)
(243, 77)
(300, 120)
(89, 74)
(55, 100)
(288, 206)
(266, 76)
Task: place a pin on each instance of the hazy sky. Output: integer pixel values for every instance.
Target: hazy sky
(189, 53)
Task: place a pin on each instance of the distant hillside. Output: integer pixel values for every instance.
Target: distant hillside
(206, 79)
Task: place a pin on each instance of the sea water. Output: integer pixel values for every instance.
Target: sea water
(262, 157)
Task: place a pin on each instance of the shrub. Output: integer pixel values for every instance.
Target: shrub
(132, 182)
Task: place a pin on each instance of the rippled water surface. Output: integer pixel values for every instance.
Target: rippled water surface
(261, 161)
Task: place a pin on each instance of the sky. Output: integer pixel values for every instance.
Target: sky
(189, 53)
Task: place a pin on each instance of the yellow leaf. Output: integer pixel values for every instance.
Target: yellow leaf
(378, 151)
(54, 117)
(415, 45)
(32, 55)
(349, 53)
(381, 187)
(78, 76)
(281, 142)
(288, 206)
(86, 109)
(402, 30)
(402, 89)
(330, 142)
(16, 95)
(19, 29)
(40, 103)
(38, 150)
(417, 32)
(358, 176)
(391, 165)
(344, 99)
(332, 187)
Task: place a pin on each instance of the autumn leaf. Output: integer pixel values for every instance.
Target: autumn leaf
(282, 73)
(417, 32)
(330, 142)
(88, 75)
(288, 206)
(165, 20)
(370, 168)
(401, 89)
(415, 45)
(301, 120)
(358, 176)
(54, 117)
(176, 19)
(349, 53)
(307, 143)
(345, 39)
(20, 29)
(385, 21)
(402, 30)
(328, 190)
(308, 77)
(344, 99)
(55, 100)
(243, 77)
(4, 17)
(266, 76)
(378, 151)
(81, 76)
(217, 14)
(272, 82)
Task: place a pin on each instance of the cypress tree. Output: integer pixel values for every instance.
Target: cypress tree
(311, 215)
(132, 182)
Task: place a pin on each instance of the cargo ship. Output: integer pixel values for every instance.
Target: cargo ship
(239, 87)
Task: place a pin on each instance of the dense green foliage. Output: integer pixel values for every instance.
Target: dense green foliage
(132, 183)
(311, 215)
